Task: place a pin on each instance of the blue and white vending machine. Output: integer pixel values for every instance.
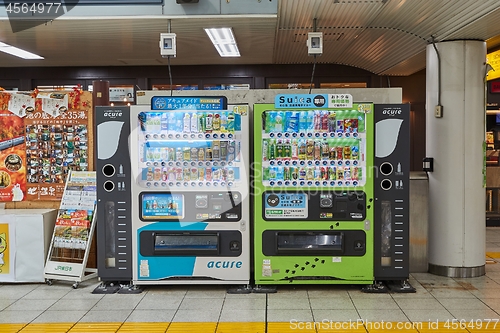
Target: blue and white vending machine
(189, 193)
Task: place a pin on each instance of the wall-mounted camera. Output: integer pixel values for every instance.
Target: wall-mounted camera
(315, 43)
(168, 45)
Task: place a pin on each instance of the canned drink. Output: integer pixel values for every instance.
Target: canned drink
(216, 174)
(310, 173)
(332, 173)
(208, 154)
(317, 150)
(265, 145)
(279, 149)
(194, 174)
(333, 153)
(317, 173)
(164, 153)
(354, 125)
(324, 173)
(310, 150)
(216, 150)
(157, 174)
(178, 174)
(194, 154)
(348, 125)
(149, 174)
(171, 174)
(340, 153)
(178, 154)
(331, 122)
(325, 150)
(347, 173)
(230, 175)
(209, 122)
(286, 173)
(187, 175)
(347, 152)
(186, 154)
(340, 126)
(223, 150)
(302, 150)
(208, 174)
(272, 172)
(354, 173)
(340, 173)
(302, 173)
(201, 154)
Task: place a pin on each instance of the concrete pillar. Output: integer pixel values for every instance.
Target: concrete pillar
(457, 227)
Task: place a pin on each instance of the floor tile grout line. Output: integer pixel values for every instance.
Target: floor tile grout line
(265, 314)
(454, 279)
(220, 313)
(135, 307)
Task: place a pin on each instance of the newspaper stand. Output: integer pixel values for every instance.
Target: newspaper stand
(72, 237)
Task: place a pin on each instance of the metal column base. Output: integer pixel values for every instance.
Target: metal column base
(457, 272)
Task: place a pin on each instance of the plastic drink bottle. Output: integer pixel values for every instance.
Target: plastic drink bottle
(187, 123)
(278, 122)
(194, 123)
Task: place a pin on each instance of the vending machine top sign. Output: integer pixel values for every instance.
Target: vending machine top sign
(188, 103)
(312, 101)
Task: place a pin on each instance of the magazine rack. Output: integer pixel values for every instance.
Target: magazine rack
(73, 233)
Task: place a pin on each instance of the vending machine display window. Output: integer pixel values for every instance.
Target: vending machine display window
(188, 148)
(313, 148)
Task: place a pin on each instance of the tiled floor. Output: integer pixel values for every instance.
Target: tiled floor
(30, 307)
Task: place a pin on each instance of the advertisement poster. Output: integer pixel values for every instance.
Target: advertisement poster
(12, 155)
(7, 249)
(56, 142)
(43, 135)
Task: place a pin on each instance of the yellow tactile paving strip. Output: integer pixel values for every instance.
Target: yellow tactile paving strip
(94, 328)
(495, 255)
(243, 327)
(47, 328)
(143, 328)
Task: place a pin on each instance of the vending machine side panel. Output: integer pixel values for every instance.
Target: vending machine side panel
(392, 181)
(114, 224)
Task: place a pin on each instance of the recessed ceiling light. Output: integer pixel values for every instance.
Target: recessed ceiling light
(18, 52)
(224, 42)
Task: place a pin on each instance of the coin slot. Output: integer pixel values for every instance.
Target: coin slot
(386, 168)
(386, 184)
(109, 186)
(108, 170)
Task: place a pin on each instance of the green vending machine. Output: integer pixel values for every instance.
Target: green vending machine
(313, 186)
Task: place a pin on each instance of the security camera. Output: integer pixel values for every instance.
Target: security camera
(167, 45)
(315, 43)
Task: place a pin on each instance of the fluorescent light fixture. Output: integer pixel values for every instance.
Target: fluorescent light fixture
(18, 52)
(224, 42)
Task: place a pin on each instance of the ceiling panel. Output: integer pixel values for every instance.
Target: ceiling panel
(385, 37)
